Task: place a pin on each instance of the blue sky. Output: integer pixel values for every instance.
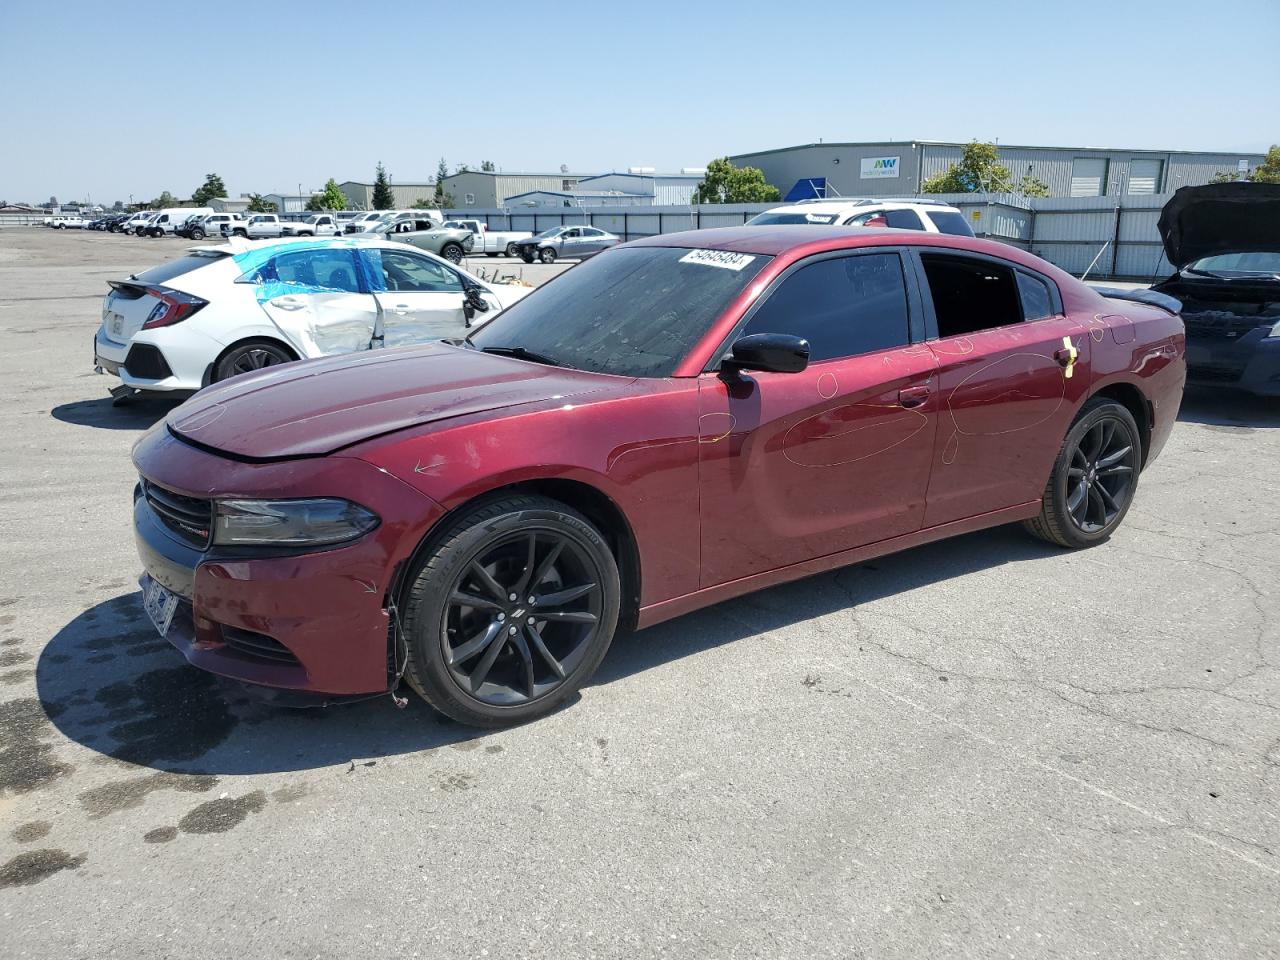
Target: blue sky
(111, 99)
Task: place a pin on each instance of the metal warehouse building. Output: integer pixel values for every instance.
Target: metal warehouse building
(897, 168)
(360, 195)
(488, 189)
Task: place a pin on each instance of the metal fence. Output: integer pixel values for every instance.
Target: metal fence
(1110, 237)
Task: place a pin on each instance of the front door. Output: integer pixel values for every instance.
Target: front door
(1006, 400)
(420, 298)
(803, 465)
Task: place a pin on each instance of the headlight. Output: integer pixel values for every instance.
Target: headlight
(302, 523)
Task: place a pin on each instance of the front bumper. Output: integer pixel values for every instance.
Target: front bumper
(1250, 362)
(314, 621)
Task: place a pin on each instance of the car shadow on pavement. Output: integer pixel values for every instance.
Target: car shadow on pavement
(817, 596)
(1228, 408)
(103, 413)
(108, 682)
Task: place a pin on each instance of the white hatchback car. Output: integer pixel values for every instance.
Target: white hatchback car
(239, 306)
(931, 216)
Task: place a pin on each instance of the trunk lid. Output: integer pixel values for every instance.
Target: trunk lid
(315, 407)
(1220, 218)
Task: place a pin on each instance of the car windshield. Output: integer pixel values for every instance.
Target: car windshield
(1239, 265)
(769, 218)
(634, 311)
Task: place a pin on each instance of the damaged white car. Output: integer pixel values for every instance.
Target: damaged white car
(227, 309)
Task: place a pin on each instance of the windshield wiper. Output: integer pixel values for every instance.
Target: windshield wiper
(520, 353)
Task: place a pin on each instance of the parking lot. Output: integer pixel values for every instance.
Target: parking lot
(985, 747)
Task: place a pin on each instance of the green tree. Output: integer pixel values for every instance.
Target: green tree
(487, 166)
(330, 198)
(979, 169)
(164, 200)
(426, 203)
(1030, 186)
(725, 183)
(383, 198)
(212, 187)
(1268, 171)
(258, 205)
(1224, 176)
(442, 171)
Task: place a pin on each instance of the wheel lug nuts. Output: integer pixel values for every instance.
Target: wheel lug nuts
(531, 621)
(501, 617)
(511, 597)
(513, 631)
(533, 601)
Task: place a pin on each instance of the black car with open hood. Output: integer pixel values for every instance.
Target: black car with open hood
(1224, 240)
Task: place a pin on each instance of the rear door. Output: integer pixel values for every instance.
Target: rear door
(1009, 387)
(316, 299)
(794, 466)
(420, 298)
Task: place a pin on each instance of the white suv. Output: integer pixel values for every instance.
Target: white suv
(931, 216)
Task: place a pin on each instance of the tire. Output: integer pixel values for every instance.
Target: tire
(511, 251)
(530, 673)
(197, 234)
(547, 255)
(527, 257)
(451, 252)
(248, 357)
(138, 231)
(240, 233)
(1094, 477)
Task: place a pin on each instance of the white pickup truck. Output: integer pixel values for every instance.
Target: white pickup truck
(316, 225)
(259, 226)
(490, 242)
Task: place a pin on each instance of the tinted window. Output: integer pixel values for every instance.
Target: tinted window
(970, 294)
(1036, 302)
(843, 307)
(404, 271)
(903, 219)
(767, 219)
(176, 268)
(948, 221)
(634, 311)
(330, 269)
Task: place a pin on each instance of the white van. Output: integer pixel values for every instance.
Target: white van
(167, 220)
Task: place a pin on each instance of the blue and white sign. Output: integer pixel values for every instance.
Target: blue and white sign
(874, 168)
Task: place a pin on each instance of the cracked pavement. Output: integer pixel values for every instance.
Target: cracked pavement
(986, 747)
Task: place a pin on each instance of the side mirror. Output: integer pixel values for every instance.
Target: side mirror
(768, 352)
(473, 302)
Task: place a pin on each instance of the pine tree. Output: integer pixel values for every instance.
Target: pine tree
(383, 198)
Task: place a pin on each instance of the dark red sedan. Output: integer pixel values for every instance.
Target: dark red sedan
(678, 421)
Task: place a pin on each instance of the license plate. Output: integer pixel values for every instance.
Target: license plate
(117, 324)
(160, 605)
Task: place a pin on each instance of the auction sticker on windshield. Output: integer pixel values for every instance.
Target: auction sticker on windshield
(718, 258)
(160, 605)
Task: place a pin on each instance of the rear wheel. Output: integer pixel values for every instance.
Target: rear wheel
(249, 357)
(511, 251)
(547, 255)
(1093, 479)
(451, 252)
(511, 612)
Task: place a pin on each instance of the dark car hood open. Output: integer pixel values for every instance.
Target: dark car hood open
(317, 407)
(1221, 218)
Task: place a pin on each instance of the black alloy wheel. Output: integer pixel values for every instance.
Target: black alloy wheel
(452, 252)
(511, 613)
(250, 357)
(1094, 477)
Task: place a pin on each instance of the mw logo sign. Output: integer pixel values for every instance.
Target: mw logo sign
(876, 167)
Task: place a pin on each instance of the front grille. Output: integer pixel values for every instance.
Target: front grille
(257, 645)
(146, 363)
(1221, 324)
(189, 518)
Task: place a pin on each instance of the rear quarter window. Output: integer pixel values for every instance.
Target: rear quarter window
(948, 221)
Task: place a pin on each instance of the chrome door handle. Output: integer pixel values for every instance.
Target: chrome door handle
(913, 396)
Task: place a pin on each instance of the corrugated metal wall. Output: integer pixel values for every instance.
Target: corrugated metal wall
(1119, 239)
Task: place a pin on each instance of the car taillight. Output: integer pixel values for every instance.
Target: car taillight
(174, 307)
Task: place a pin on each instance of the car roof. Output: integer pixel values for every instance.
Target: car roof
(804, 239)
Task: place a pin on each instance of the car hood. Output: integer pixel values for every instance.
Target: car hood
(316, 407)
(1221, 218)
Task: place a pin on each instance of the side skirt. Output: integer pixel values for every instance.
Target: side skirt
(655, 613)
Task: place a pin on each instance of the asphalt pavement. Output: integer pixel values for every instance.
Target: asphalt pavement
(986, 747)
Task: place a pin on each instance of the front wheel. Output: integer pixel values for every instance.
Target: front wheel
(197, 234)
(452, 252)
(1093, 479)
(511, 612)
(547, 255)
(250, 357)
